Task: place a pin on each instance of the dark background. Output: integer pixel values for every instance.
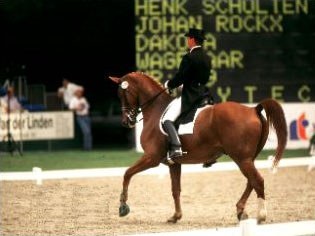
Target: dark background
(83, 40)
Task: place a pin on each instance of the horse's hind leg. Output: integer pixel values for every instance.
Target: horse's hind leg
(142, 164)
(240, 206)
(257, 182)
(175, 172)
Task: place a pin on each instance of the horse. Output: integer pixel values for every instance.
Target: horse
(228, 128)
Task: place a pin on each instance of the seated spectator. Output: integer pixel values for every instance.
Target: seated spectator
(81, 107)
(9, 103)
(66, 91)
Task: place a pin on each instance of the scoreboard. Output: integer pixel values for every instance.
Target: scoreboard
(259, 48)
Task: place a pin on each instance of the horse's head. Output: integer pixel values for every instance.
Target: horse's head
(128, 95)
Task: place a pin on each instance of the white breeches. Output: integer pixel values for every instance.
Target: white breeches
(173, 110)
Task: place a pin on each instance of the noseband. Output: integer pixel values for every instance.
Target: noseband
(132, 113)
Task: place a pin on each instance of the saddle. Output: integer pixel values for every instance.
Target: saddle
(184, 124)
(190, 115)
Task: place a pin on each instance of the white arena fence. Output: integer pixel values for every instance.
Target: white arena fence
(302, 228)
(37, 173)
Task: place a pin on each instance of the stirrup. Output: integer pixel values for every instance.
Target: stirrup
(172, 154)
(175, 152)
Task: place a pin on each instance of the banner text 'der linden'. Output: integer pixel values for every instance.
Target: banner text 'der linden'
(37, 125)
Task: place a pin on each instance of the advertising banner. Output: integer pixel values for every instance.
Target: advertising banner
(300, 119)
(37, 125)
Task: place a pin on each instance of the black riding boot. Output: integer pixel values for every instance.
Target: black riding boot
(176, 147)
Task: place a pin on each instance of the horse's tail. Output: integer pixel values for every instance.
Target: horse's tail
(275, 118)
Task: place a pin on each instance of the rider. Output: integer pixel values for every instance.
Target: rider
(193, 74)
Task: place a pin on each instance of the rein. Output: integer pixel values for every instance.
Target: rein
(148, 102)
(133, 112)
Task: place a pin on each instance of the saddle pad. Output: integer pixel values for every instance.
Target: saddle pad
(188, 128)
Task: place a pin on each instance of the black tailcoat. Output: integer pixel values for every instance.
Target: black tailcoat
(193, 74)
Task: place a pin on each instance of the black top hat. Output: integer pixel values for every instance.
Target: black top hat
(196, 33)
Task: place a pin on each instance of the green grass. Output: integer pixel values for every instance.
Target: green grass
(75, 159)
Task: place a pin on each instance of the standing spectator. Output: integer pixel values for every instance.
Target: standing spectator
(9, 103)
(66, 91)
(80, 106)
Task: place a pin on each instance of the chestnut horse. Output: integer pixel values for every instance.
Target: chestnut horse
(226, 128)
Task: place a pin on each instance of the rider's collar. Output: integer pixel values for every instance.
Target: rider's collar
(198, 46)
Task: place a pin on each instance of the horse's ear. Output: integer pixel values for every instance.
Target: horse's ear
(115, 79)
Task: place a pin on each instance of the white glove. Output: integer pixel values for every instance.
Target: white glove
(166, 83)
(166, 86)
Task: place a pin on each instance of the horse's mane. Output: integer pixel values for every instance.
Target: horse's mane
(140, 76)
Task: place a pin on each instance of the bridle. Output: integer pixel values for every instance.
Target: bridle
(132, 112)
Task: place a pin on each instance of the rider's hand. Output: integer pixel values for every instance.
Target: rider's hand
(169, 91)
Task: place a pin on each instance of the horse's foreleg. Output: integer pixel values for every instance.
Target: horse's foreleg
(142, 164)
(240, 206)
(175, 172)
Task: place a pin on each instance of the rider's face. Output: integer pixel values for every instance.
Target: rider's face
(190, 42)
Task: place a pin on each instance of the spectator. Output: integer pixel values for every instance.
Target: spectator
(66, 91)
(9, 103)
(80, 106)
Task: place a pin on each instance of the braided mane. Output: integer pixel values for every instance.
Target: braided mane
(138, 76)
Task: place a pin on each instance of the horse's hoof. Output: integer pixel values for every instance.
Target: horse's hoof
(124, 210)
(174, 218)
(262, 212)
(242, 216)
(261, 217)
